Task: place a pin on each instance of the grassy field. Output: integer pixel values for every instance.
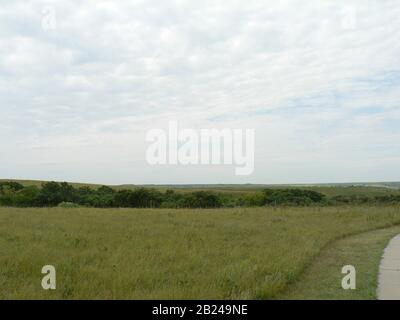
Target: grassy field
(323, 279)
(171, 254)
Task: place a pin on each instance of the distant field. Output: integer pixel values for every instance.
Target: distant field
(170, 254)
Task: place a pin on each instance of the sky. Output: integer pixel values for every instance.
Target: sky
(82, 82)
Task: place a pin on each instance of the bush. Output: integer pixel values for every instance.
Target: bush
(26, 197)
(253, 200)
(139, 198)
(52, 193)
(16, 197)
(14, 186)
(295, 197)
(202, 199)
(65, 204)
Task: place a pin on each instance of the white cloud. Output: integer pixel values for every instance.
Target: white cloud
(319, 81)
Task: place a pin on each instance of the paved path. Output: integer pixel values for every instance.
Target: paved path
(389, 272)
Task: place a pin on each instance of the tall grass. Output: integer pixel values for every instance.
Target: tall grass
(169, 254)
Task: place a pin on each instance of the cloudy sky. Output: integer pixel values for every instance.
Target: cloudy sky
(81, 82)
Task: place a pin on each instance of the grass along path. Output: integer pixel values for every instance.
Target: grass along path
(322, 280)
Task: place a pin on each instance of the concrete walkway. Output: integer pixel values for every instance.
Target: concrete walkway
(389, 272)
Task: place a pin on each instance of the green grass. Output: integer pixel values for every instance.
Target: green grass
(170, 254)
(323, 279)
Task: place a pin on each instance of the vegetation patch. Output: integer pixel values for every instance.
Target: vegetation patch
(51, 194)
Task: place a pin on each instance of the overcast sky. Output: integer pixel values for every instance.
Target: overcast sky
(81, 82)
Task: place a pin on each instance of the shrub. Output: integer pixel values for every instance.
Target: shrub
(254, 200)
(52, 193)
(14, 186)
(139, 198)
(202, 199)
(65, 204)
(296, 197)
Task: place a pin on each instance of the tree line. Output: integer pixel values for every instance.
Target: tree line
(52, 194)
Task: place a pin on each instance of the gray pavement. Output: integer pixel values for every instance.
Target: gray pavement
(389, 272)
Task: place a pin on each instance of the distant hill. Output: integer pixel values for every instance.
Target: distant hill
(330, 189)
(40, 182)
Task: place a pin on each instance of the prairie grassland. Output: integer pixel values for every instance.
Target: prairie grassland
(170, 254)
